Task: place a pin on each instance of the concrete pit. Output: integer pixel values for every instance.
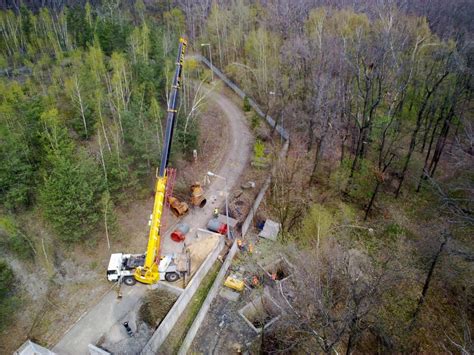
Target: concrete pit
(278, 270)
(260, 313)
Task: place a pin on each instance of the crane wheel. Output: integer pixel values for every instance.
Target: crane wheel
(171, 276)
(129, 281)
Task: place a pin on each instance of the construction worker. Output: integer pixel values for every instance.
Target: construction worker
(255, 281)
(215, 213)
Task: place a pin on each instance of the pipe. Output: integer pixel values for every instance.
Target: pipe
(197, 195)
(177, 207)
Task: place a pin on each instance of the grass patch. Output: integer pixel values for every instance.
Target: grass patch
(174, 340)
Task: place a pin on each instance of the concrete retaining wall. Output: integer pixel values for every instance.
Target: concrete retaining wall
(207, 302)
(181, 303)
(248, 220)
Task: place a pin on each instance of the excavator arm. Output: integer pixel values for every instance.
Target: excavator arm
(148, 273)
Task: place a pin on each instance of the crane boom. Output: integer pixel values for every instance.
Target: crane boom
(148, 273)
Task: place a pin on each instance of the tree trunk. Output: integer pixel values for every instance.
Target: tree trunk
(441, 143)
(410, 152)
(343, 146)
(357, 153)
(310, 135)
(427, 129)
(352, 335)
(316, 160)
(81, 105)
(319, 147)
(372, 199)
(380, 181)
(424, 172)
(428, 279)
(415, 131)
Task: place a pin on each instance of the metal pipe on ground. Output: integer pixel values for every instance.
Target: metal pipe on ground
(197, 195)
(178, 235)
(215, 226)
(177, 207)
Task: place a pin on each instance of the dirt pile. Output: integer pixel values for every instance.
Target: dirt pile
(155, 306)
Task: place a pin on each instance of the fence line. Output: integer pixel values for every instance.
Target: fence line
(281, 131)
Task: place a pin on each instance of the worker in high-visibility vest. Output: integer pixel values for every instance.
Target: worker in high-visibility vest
(255, 281)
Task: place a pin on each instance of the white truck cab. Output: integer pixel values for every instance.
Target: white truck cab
(122, 267)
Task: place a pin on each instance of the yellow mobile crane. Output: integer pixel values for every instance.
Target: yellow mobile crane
(149, 268)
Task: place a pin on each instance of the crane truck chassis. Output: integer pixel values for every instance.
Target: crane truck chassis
(122, 267)
(150, 268)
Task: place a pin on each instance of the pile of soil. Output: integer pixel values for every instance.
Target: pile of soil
(200, 250)
(155, 306)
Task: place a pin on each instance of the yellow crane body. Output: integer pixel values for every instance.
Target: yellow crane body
(149, 273)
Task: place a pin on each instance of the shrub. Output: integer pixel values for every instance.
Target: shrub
(255, 121)
(13, 239)
(246, 106)
(7, 300)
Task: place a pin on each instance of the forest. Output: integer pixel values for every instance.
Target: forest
(375, 196)
(379, 105)
(83, 95)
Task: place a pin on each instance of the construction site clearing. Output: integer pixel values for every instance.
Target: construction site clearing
(236, 319)
(182, 240)
(146, 315)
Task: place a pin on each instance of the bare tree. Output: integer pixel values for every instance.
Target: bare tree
(286, 193)
(335, 298)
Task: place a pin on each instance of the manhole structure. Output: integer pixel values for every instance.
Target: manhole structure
(260, 313)
(278, 270)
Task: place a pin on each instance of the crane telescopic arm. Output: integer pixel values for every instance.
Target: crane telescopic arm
(148, 273)
(172, 108)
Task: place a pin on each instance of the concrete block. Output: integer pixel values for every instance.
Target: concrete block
(260, 313)
(94, 350)
(229, 294)
(270, 230)
(278, 269)
(31, 348)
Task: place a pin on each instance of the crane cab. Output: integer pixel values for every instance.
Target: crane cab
(121, 267)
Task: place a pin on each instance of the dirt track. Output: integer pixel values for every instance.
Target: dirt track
(109, 310)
